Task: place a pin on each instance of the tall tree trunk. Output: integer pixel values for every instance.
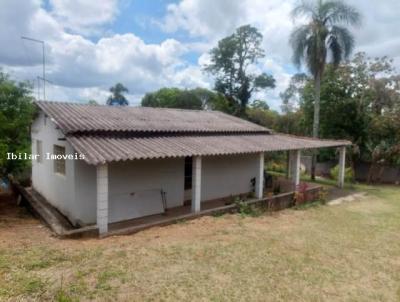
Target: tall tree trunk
(317, 85)
(370, 177)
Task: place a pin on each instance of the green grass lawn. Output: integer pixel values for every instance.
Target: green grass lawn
(346, 252)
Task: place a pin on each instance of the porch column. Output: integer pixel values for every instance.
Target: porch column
(196, 184)
(296, 167)
(102, 199)
(342, 166)
(289, 163)
(260, 177)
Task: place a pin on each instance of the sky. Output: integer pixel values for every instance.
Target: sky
(146, 45)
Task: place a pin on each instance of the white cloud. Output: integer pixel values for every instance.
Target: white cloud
(203, 18)
(379, 33)
(270, 17)
(82, 68)
(24, 18)
(212, 20)
(84, 16)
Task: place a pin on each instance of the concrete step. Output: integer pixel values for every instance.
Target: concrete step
(57, 222)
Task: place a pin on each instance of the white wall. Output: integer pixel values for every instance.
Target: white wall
(85, 192)
(223, 176)
(74, 193)
(134, 187)
(59, 190)
(144, 178)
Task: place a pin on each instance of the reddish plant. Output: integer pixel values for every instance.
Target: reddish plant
(300, 196)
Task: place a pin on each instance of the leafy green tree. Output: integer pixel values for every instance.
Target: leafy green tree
(323, 35)
(341, 114)
(16, 114)
(117, 95)
(262, 116)
(291, 123)
(259, 104)
(92, 102)
(291, 96)
(364, 99)
(230, 62)
(198, 98)
(172, 98)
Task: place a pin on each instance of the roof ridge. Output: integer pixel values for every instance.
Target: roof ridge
(144, 107)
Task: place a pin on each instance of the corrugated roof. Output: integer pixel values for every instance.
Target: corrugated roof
(100, 149)
(106, 134)
(74, 117)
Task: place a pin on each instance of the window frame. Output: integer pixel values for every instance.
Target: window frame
(59, 165)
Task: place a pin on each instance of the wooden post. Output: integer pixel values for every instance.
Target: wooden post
(196, 184)
(342, 166)
(102, 199)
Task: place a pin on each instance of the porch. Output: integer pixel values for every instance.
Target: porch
(198, 206)
(269, 201)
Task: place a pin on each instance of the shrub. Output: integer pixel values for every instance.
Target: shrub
(277, 189)
(300, 196)
(276, 167)
(245, 209)
(348, 174)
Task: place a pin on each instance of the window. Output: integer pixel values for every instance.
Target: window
(39, 151)
(59, 161)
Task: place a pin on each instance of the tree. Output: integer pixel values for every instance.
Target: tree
(172, 98)
(291, 96)
(259, 104)
(260, 113)
(323, 35)
(230, 62)
(198, 98)
(342, 115)
(117, 95)
(92, 102)
(264, 117)
(363, 96)
(16, 115)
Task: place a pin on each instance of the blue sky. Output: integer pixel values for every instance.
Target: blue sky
(136, 16)
(147, 45)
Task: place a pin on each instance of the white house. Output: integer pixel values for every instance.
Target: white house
(120, 163)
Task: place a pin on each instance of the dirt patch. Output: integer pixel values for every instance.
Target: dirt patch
(348, 198)
(17, 225)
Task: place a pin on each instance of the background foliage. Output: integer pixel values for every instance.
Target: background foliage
(16, 114)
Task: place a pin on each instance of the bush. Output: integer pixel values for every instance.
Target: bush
(300, 195)
(348, 174)
(16, 115)
(276, 167)
(244, 209)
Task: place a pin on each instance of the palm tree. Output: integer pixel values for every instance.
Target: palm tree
(324, 35)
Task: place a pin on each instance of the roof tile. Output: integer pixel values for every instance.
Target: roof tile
(101, 149)
(74, 117)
